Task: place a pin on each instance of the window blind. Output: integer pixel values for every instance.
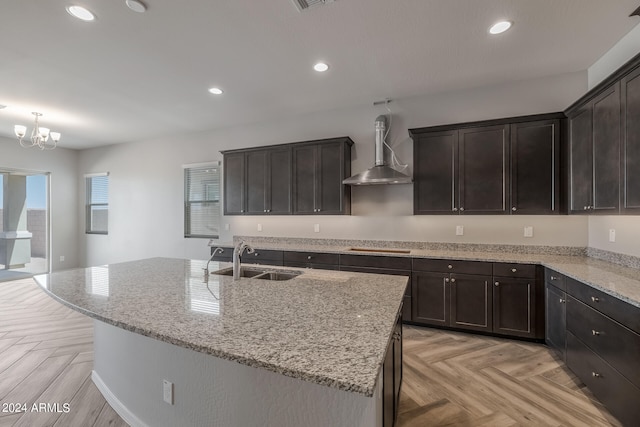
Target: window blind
(202, 201)
(97, 203)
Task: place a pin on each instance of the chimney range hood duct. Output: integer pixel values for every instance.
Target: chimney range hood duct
(380, 173)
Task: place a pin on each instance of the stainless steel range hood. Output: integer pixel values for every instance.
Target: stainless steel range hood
(380, 173)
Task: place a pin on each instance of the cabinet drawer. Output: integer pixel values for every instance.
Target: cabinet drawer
(453, 266)
(618, 310)
(555, 278)
(260, 255)
(397, 263)
(525, 271)
(619, 346)
(612, 389)
(311, 265)
(311, 257)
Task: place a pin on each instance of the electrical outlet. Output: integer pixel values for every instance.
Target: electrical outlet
(227, 227)
(612, 234)
(459, 230)
(528, 231)
(167, 391)
(259, 227)
(316, 228)
(61, 258)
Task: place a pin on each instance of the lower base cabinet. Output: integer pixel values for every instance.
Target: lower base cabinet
(556, 323)
(392, 377)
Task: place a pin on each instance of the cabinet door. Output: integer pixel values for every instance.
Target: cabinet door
(234, 184)
(471, 302)
(278, 184)
(483, 155)
(606, 151)
(535, 151)
(434, 169)
(330, 190)
(256, 164)
(556, 324)
(388, 398)
(630, 192)
(430, 298)
(581, 159)
(304, 179)
(514, 307)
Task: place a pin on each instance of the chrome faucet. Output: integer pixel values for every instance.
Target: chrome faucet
(206, 268)
(237, 253)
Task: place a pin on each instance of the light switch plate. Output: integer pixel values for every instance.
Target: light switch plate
(167, 391)
(459, 230)
(259, 227)
(316, 228)
(612, 234)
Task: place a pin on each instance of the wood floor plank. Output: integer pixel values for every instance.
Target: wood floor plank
(10, 378)
(109, 418)
(85, 407)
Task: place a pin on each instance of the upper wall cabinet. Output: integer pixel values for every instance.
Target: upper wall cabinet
(298, 178)
(494, 167)
(318, 171)
(630, 161)
(594, 153)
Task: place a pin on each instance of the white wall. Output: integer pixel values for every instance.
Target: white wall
(627, 227)
(62, 164)
(146, 182)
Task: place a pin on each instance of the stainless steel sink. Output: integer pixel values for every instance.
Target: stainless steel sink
(260, 273)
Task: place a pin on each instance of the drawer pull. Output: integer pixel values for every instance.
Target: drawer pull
(449, 266)
(513, 270)
(594, 332)
(453, 280)
(446, 280)
(595, 375)
(595, 299)
(497, 283)
(553, 278)
(256, 254)
(309, 257)
(562, 300)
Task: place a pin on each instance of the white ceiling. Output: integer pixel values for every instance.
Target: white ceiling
(130, 76)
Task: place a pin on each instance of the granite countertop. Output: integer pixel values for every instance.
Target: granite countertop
(616, 280)
(327, 327)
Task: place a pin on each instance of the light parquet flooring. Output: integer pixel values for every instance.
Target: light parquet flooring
(457, 379)
(46, 357)
(450, 379)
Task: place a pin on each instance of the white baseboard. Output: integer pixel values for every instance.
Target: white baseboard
(115, 403)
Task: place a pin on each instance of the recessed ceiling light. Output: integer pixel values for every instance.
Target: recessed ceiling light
(215, 91)
(136, 5)
(81, 13)
(500, 27)
(321, 67)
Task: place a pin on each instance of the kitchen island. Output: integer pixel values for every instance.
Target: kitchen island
(306, 351)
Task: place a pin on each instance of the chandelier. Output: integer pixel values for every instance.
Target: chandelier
(39, 136)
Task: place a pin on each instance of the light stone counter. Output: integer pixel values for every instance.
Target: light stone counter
(325, 327)
(610, 277)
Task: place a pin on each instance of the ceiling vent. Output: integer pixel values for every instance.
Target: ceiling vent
(309, 4)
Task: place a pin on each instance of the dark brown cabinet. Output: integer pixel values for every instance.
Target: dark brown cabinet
(535, 167)
(594, 153)
(493, 167)
(319, 260)
(234, 184)
(451, 293)
(630, 166)
(299, 178)
(556, 315)
(514, 304)
(318, 171)
(268, 181)
(392, 377)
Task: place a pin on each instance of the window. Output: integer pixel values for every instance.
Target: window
(97, 200)
(202, 200)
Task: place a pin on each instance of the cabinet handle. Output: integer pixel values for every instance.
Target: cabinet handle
(513, 270)
(449, 266)
(453, 280)
(585, 208)
(264, 210)
(256, 254)
(595, 299)
(514, 209)
(553, 278)
(562, 300)
(446, 280)
(461, 209)
(497, 283)
(241, 210)
(595, 375)
(455, 209)
(594, 332)
(309, 257)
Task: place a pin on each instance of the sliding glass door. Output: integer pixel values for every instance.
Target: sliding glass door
(24, 223)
